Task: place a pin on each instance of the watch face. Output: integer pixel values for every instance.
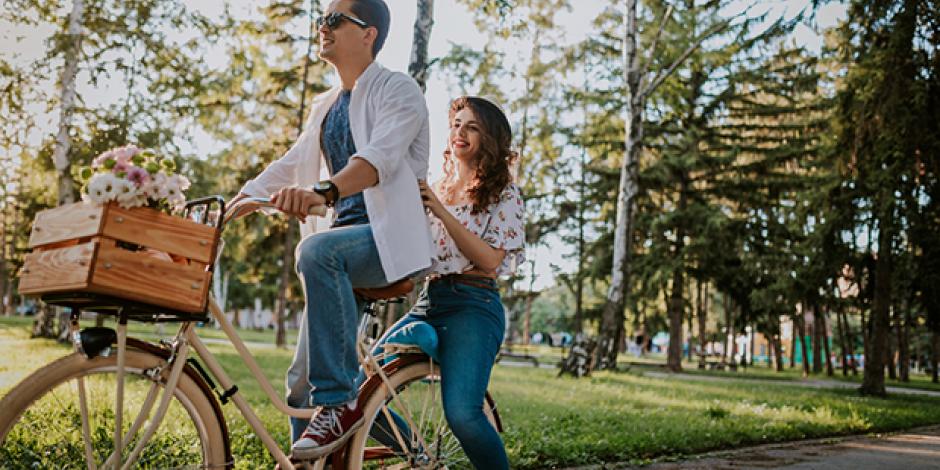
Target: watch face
(321, 187)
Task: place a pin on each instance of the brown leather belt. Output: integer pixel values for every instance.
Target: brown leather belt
(472, 280)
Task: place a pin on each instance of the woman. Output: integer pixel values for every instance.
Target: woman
(477, 226)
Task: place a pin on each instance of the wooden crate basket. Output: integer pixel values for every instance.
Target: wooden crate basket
(139, 254)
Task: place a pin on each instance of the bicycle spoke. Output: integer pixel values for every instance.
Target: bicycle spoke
(86, 428)
(142, 416)
(180, 360)
(119, 393)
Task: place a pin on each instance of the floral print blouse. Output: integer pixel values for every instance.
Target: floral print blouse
(501, 225)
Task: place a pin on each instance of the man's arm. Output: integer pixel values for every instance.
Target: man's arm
(398, 122)
(355, 177)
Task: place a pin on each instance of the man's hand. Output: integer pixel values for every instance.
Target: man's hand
(297, 202)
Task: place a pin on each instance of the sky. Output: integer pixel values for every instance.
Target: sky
(453, 24)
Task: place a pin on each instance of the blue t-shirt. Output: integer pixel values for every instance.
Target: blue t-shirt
(337, 142)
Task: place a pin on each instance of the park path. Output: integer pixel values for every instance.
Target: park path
(915, 449)
(811, 383)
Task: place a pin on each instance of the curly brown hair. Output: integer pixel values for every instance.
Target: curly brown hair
(495, 158)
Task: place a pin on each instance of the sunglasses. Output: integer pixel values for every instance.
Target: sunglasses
(333, 20)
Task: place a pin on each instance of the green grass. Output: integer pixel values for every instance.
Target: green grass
(556, 422)
(763, 372)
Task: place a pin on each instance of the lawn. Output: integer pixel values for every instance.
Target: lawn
(555, 422)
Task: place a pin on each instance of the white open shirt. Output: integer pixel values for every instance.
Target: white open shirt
(388, 118)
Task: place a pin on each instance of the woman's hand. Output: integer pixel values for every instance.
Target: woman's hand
(429, 199)
(297, 202)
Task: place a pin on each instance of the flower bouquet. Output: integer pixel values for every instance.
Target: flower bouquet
(134, 177)
(120, 242)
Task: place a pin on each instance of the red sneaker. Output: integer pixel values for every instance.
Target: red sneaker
(328, 430)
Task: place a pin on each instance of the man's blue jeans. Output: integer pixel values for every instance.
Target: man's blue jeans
(470, 323)
(325, 363)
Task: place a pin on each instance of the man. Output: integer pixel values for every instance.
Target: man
(372, 135)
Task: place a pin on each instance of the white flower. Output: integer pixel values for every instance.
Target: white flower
(181, 182)
(127, 194)
(102, 188)
(158, 186)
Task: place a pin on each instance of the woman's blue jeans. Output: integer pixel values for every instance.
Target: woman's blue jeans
(325, 363)
(470, 323)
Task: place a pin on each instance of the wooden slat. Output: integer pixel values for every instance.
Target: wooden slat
(154, 229)
(143, 278)
(57, 270)
(66, 222)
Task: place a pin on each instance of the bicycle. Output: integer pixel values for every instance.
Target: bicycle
(78, 411)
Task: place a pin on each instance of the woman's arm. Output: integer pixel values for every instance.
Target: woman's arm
(481, 254)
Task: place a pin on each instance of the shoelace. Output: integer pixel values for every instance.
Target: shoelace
(326, 421)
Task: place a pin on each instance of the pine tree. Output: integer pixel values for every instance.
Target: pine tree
(880, 118)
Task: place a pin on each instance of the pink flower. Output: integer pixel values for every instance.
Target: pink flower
(100, 159)
(120, 166)
(137, 175)
(124, 154)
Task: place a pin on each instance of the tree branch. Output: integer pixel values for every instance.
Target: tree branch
(662, 76)
(659, 32)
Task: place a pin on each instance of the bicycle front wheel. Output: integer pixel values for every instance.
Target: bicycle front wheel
(42, 424)
(420, 436)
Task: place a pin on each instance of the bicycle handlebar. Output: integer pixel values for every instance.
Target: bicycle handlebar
(253, 203)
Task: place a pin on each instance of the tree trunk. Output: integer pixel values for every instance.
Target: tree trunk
(674, 353)
(44, 325)
(526, 319)
(702, 321)
(873, 381)
(850, 342)
(842, 340)
(771, 353)
(904, 345)
(60, 154)
(793, 334)
(688, 323)
(935, 357)
(815, 337)
(424, 20)
(612, 317)
(6, 291)
(824, 334)
(892, 349)
(801, 325)
(579, 289)
(778, 354)
(729, 333)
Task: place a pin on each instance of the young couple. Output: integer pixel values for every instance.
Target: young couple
(370, 136)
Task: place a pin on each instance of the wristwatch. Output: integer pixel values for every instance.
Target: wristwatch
(328, 190)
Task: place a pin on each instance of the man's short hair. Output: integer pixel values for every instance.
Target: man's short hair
(374, 13)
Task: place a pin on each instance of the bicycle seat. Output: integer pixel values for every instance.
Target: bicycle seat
(398, 289)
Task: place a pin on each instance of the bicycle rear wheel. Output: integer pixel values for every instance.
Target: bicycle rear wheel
(41, 423)
(421, 437)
